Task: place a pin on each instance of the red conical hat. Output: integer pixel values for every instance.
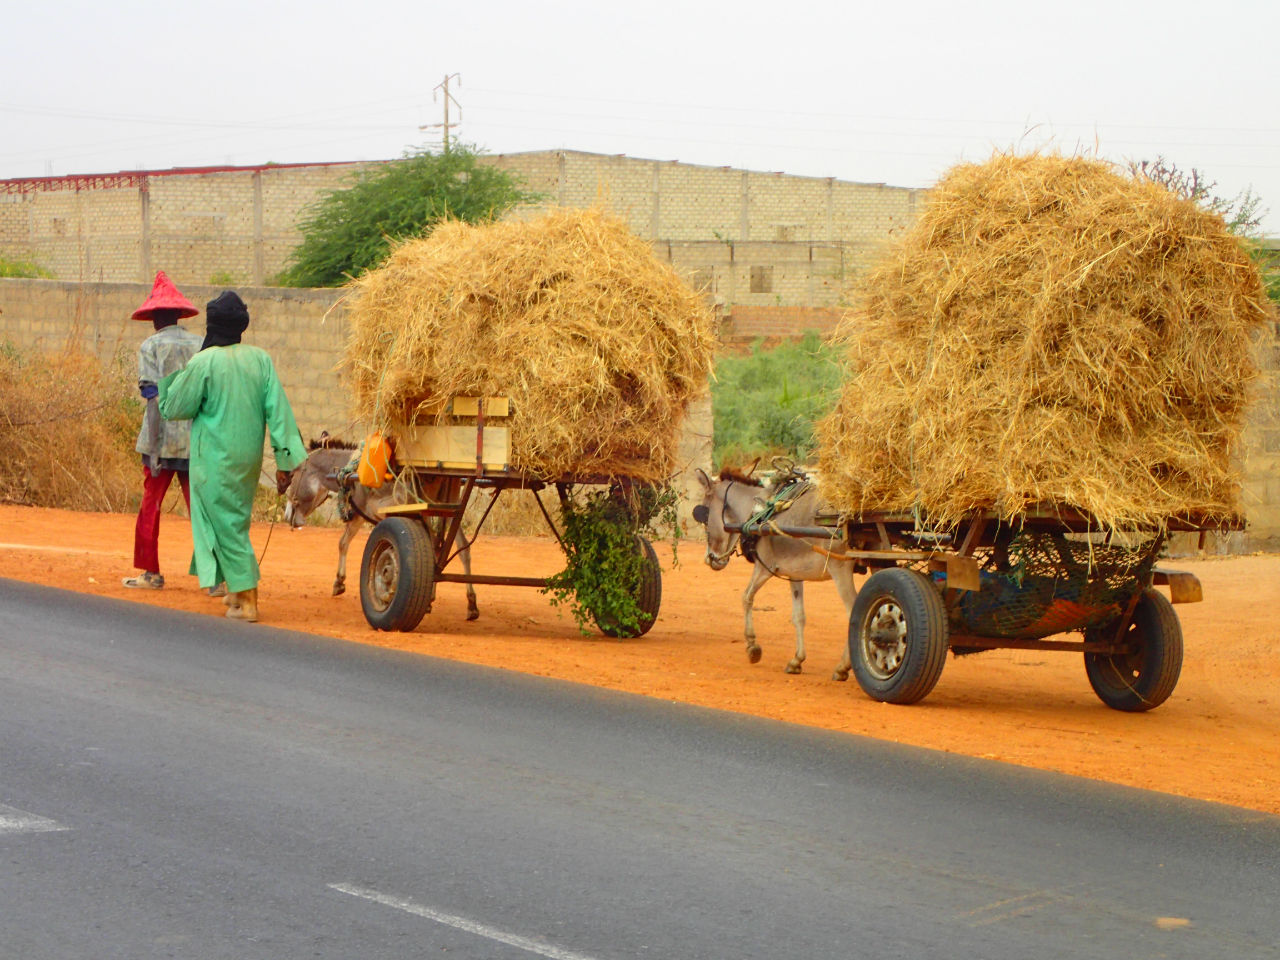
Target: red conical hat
(165, 296)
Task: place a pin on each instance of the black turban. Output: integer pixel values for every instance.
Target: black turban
(226, 317)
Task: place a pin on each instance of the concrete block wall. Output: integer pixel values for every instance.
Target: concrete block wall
(301, 329)
(681, 202)
(305, 331)
(799, 237)
(1261, 448)
(237, 224)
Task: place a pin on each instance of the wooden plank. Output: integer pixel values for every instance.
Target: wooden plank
(962, 572)
(465, 407)
(452, 447)
(1183, 587)
(430, 509)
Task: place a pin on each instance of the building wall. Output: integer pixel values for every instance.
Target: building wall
(305, 331)
(215, 226)
(751, 239)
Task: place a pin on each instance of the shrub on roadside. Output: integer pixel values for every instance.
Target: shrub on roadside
(68, 423)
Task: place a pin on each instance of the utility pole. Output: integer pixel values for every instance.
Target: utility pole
(443, 88)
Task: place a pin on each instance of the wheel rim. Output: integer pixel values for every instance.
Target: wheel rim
(1128, 666)
(884, 638)
(384, 575)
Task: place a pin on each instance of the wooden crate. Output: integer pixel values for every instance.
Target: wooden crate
(450, 444)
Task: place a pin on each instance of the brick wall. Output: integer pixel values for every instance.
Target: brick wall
(305, 332)
(302, 330)
(221, 225)
(759, 239)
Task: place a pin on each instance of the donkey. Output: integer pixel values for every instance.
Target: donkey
(732, 498)
(316, 480)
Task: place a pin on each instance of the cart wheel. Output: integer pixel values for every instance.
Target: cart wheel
(1145, 677)
(898, 636)
(397, 574)
(648, 597)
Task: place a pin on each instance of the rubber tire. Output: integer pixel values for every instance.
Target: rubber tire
(648, 597)
(403, 602)
(925, 640)
(1142, 680)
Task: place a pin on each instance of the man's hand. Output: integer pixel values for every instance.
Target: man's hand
(282, 480)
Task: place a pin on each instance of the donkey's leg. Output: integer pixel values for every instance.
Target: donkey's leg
(464, 554)
(349, 531)
(797, 618)
(842, 574)
(759, 576)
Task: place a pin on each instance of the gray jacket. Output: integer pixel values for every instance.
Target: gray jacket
(164, 352)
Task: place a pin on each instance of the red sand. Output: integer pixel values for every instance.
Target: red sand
(1217, 738)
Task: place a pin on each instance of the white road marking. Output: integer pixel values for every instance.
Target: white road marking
(461, 923)
(13, 820)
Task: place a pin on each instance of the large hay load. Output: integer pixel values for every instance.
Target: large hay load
(599, 345)
(1050, 332)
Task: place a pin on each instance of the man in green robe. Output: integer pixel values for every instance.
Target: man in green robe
(231, 394)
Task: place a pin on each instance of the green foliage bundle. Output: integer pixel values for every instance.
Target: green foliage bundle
(607, 563)
(351, 230)
(765, 403)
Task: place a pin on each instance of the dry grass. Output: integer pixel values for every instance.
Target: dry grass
(1050, 331)
(67, 427)
(600, 345)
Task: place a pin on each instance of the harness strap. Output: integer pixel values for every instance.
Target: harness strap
(780, 502)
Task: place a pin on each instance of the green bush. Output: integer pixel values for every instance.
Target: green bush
(766, 402)
(350, 231)
(22, 268)
(605, 569)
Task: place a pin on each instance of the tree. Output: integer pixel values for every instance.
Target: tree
(1242, 213)
(351, 230)
(765, 403)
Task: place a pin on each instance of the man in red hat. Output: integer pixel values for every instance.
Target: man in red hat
(164, 444)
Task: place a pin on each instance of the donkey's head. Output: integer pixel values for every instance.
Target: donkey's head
(730, 498)
(305, 493)
(311, 483)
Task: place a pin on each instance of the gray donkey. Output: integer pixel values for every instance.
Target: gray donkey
(317, 479)
(734, 497)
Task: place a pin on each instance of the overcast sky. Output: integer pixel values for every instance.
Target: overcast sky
(883, 92)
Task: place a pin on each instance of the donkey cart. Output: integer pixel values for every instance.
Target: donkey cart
(990, 585)
(441, 467)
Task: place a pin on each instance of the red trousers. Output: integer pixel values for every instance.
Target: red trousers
(146, 534)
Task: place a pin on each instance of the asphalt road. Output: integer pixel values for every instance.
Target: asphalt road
(177, 786)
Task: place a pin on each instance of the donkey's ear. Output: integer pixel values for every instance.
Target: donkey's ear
(703, 478)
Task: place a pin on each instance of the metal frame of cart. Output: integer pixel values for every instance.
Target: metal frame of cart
(925, 596)
(413, 547)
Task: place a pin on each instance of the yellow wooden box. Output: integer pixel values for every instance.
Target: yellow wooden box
(451, 445)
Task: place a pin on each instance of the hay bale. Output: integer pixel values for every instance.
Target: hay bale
(1050, 331)
(600, 345)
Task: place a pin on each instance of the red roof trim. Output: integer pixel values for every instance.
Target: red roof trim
(134, 178)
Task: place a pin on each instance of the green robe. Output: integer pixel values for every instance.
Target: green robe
(230, 395)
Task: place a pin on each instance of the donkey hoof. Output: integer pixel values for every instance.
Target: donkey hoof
(840, 675)
(754, 653)
(473, 613)
(339, 587)
(792, 667)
